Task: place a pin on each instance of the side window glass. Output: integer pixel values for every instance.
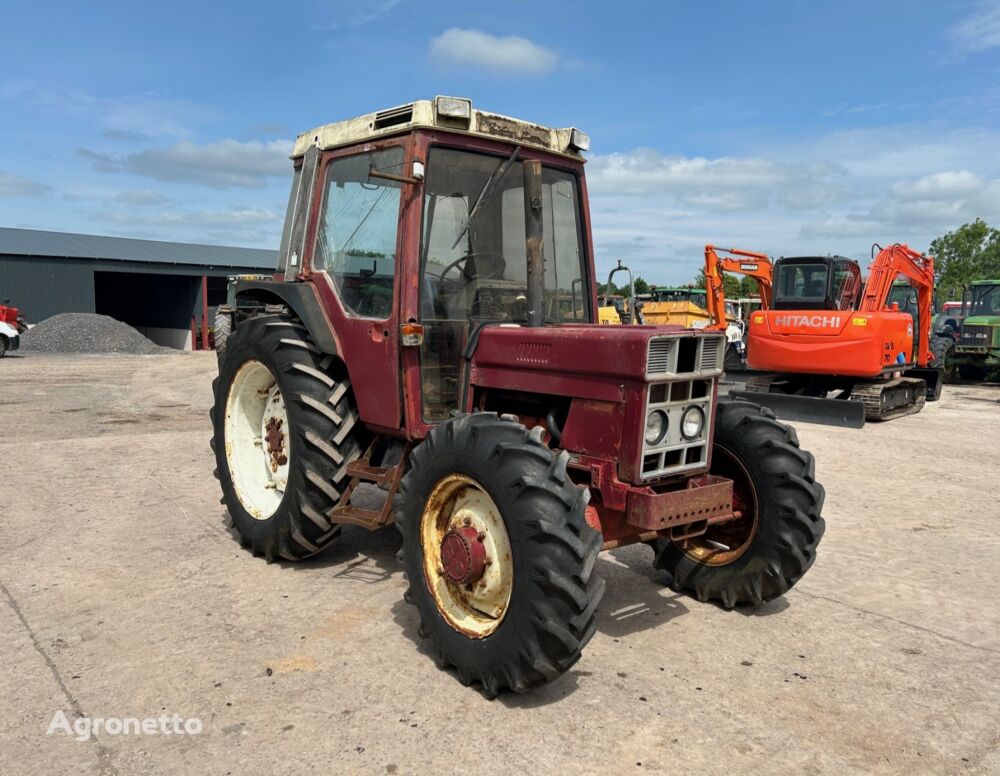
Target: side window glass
(356, 241)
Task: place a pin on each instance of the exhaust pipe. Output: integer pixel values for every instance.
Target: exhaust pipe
(533, 242)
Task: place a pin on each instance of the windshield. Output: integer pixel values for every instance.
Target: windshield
(986, 300)
(802, 282)
(473, 258)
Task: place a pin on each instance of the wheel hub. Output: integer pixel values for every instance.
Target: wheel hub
(275, 442)
(467, 557)
(463, 555)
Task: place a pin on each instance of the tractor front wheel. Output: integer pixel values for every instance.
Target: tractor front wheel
(499, 557)
(759, 556)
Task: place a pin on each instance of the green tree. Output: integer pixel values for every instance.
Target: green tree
(971, 252)
(641, 286)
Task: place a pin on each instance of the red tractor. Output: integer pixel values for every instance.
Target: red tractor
(432, 329)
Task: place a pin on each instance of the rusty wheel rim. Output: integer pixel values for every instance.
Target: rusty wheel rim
(467, 557)
(724, 543)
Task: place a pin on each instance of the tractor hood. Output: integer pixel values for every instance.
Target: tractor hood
(982, 320)
(583, 360)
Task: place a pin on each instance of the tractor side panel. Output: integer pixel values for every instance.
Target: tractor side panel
(594, 428)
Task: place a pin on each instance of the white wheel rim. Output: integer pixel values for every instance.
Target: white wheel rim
(476, 609)
(258, 449)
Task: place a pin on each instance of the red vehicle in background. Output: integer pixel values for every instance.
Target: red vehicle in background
(12, 325)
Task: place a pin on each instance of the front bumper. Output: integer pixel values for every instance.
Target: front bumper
(705, 499)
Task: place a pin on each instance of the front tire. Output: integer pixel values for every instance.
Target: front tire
(763, 554)
(523, 617)
(285, 429)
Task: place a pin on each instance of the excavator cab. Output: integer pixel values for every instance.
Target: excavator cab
(816, 283)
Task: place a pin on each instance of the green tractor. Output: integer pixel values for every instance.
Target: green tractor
(977, 353)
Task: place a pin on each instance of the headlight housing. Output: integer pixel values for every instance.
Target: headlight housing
(692, 422)
(656, 427)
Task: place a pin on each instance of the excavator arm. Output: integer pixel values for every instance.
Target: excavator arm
(899, 259)
(749, 263)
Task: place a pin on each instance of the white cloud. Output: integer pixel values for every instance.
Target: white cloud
(979, 31)
(123, 117)
(141, 197)
(896, 183)
(940, 186)
(724, 184)
(221, 165)
(13, 185)
(512, 53)
(211, 219)
(359, 13)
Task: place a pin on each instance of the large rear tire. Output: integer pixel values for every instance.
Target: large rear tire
(760, 556)
(522, 617)
(943, 348)
(285, 429)
(222, 328)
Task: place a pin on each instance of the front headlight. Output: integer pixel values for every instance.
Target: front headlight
(656, 427)
(692, 422)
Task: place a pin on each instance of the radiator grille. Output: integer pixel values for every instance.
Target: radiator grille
(976, 335)
(685, 354)
(658, 362)
(711, 354)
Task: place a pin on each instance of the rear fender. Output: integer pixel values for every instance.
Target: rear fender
(301, 299)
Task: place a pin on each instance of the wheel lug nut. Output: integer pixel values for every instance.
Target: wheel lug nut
(467, 521)
(481, 535)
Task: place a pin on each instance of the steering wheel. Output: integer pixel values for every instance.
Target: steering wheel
(465, 258)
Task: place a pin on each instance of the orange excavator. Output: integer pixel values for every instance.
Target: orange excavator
(739, 262)
(837, 353)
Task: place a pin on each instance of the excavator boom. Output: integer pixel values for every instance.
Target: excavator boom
(740, 262)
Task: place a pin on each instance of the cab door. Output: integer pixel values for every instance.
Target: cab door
(353, 263)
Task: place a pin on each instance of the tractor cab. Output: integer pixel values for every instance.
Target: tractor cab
(816, 283)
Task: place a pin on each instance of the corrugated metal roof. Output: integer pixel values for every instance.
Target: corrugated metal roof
(31, 242)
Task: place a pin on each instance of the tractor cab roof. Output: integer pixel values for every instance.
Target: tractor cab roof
(986, 282)
(449, 114)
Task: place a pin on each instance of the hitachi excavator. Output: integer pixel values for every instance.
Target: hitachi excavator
(739, 262)
(837, 353)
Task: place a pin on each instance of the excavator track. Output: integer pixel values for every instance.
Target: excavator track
(891, 399)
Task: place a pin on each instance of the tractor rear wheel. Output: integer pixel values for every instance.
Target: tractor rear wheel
(759, 556)
(284, 432)
(499, 557)
(222, 328)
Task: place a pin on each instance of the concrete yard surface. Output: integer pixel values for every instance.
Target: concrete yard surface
(123, 594)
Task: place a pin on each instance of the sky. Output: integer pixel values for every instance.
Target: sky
(790, 126)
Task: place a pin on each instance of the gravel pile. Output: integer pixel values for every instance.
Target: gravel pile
(87, 333)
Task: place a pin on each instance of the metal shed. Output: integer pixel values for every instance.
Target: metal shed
(166, 290)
